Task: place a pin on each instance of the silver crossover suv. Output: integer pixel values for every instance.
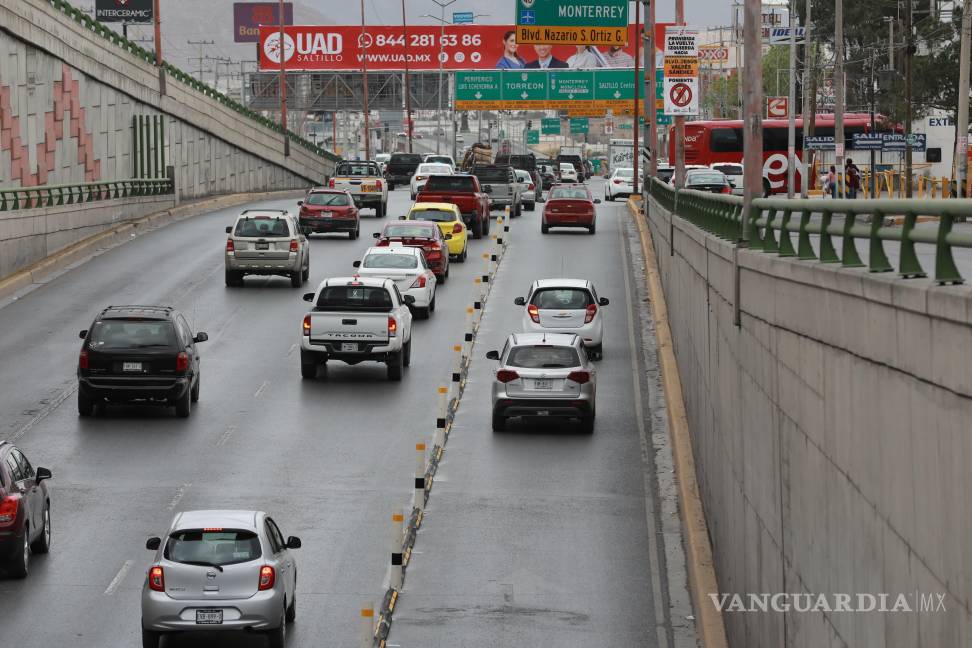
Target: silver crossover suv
(220, 570)
(545, 375)
(266, 242)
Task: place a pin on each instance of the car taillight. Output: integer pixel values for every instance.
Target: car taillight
(726, 190)
(534, 313)
(506, 375)
(307, 324)
(382, 243)
(229, 245)
(331, 184)
(532, 187)
(420, 177)
(8, 509)
(182, 361)
(419, 282)
(618, 181)
(83, 359)
(156, 579)
(457, 228)
(293, 245)
(591, 312)
(267, 577)
(433, 252)
(378, 184)
(392, 327)
(579, 377)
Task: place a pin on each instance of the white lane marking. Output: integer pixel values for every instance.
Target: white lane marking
(293, 347)
(225, 436)
(261, 389)
(119, 577)
(52, 405)
(646, 453)
(180, 493)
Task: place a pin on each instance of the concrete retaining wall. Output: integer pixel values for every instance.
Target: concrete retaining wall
(832, 437)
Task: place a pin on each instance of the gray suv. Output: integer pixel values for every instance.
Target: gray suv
(218, 571)
(266, 242)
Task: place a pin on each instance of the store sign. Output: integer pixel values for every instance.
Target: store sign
(126, 11)
(248, 16)
(681, 93)
(572, 22)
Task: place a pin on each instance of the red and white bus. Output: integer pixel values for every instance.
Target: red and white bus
(710, 142)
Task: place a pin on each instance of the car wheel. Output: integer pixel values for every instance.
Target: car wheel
(353, 234)
(183, 406)
(277, 638)
(465, 254)
(478, 230)
(597, 351)
(608, 197)
(292, 609)
(531, 206)
(234, 279)
(499, 422)
(422, 313)
(308, 365)
(42, 544)
(194, 392)
(407, 354)
(295, 280)
(17, 566)
(413, 196)
(395, 363)
(85, 404)
(151, 638)
(432, 304)
(381, 210)
(592, 228)
(587, 424)
(544, 228)
(391, 186)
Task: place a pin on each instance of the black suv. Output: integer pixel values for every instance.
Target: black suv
(139, 353)
(25, 510)
(400, 168)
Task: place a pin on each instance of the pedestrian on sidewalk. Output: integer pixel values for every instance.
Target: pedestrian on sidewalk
(830, 184)
(853, 175)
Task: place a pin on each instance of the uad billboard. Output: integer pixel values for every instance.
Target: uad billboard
(326, 48)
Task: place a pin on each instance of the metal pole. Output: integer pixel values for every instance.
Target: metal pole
(637, 88)
(791, 109)
(364, 96)
(872, 189)
(652, 117)
(839, 94)
(908, 91)
(738, 43)
(962, 122)
(408, 85)
(158, 44)
(283, 82)
(438, 116)
(753, 113)
(680, 121)
(809, 102)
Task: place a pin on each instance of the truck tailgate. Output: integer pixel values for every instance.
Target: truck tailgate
(349, 327)
(465, 202)
(358, 185)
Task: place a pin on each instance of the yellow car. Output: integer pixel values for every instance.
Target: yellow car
(449, 219)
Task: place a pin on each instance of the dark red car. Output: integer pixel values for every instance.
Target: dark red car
(25, 510)
(569, 205)
(421, 234)
(329, 210)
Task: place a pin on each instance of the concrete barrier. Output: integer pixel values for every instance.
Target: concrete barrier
(831, 439)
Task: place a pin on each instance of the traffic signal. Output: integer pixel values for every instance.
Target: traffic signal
(529, 124)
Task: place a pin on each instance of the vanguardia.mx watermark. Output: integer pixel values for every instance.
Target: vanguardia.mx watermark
(910, 602)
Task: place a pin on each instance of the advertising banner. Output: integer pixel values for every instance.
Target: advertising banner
(573, 22)
(127, 11)
(333, 48)
(248, 16)
(681, 71)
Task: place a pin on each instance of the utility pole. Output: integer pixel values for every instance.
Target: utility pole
(839, 94)
(637, 87)
(679, 120)
(809, 101)
(752, 116)
(283, 82)
(909, 44)
(791, 104)
(872, 189)
(157, 14)
(408, 85)
(201, 44)
(650, 82)
(364, 94)
(438, 116)
(962, 121)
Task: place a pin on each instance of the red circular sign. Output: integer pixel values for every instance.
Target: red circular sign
(681, 94)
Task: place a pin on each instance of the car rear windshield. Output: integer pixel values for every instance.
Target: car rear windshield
(624, 173)
(495, 176)
(562, 299)
(434, 168)
(395, 261)
(434, 215)
(450, 183)
(665, 174)
(528, 162)
(729, 169)
(262, 227)
(406, 158)
(543, 357)
(212, 547)
(366, 298)
(439, 158)
(567, 193)
(705, 178)
(357, 169)
(409, 231)
(131, 334)
(330, 199)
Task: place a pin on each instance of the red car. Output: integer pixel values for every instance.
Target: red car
(569, 205)
(420, 234)
(464, 192)
(329, 210)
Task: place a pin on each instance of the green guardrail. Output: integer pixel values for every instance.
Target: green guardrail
(773, 222)
(86, 192)
(149, 57)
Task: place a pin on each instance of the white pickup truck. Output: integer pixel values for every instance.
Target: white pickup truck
(364, 181)
(357, 319)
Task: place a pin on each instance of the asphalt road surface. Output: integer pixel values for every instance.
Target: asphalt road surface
(556, 520)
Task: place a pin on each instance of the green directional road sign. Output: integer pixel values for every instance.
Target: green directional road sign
(614, 85)
(550, 126)
(579, 125)
(486, 86)
(520, 85)
(567, 86)
(533, 137)
(572, 22)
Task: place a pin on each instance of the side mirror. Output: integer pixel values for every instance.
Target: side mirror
(492, 355)
(300, 203)
(153, 544)
(201, 336)
(83, 333)
(597, 201)
(356, 264)
(42, 474)
(229, 229)
(293, 542)
(402, 218)
(377, 234)
(409, 300)
(448, 237)
(520, 301)
(308, 297)
(732, 184)
(603, 301)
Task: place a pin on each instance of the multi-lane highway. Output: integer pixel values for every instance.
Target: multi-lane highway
(533, 536)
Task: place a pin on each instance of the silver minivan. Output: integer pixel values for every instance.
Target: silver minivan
(266, 242)
(217, 571)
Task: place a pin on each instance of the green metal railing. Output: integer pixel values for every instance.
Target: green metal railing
(72, 194)
(774, 221)
(149, 57)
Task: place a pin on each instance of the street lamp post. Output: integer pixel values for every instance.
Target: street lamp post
(283, 83)
(408, 85)
(438, 118)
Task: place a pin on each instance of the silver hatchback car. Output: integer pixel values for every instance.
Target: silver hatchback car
(544, 375)
(266, 242)
(220, 570)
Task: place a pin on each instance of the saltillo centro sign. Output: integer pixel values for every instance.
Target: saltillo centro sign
(572, 22)
(127, 11)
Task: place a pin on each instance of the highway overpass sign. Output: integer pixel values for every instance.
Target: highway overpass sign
(574, 22)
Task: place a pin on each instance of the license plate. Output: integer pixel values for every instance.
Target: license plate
(543, 384)
(131, 366)
(349, 346)
(263, 246)
(325, 214)
(369, 189)
(543, 413)
(209, 617)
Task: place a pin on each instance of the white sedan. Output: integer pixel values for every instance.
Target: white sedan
(405, 266)
(425, 170)
(621, 183)
(567, 172)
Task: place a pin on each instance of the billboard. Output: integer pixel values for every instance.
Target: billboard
(327, 48)
(126, 11)
(248, 16)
